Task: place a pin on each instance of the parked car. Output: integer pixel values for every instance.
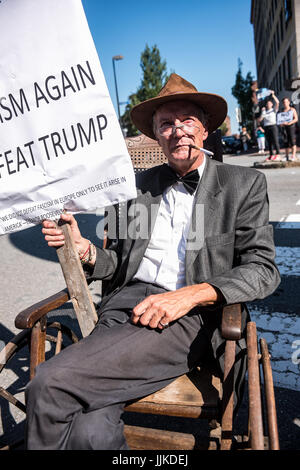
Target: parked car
(231, 144)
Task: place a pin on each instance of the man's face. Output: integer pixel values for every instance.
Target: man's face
(269, 104)
(178, 146)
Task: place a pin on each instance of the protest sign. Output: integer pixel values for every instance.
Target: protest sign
(262, 93)
(285, 116)
(61, 146)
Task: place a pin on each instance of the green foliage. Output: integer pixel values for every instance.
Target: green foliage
(154, 77)
(223, 127)
(243, 93)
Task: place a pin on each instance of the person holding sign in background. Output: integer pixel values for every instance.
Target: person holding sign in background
(210, 244)
(287, 121)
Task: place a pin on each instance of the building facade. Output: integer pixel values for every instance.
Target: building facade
(276, 25)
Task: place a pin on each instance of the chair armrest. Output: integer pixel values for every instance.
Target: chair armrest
(28, 317)
(232, 322)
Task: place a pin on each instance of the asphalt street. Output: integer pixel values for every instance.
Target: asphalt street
(30, 271)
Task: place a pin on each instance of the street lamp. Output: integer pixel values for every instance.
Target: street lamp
(117, 57)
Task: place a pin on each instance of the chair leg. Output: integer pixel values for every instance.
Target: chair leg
(37, 345)
(228, 395)
(255, 406)
(58, 342)
(270, 396)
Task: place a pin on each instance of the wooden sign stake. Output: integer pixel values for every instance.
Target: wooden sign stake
(76, 282)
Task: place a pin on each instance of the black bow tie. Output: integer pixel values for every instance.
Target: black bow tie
(169, 176)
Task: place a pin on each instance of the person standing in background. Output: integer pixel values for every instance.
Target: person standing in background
(268, 116)
(245, 138)
(289, 129)
(261, 141)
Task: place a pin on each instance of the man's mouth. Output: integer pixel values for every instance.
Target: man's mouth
(183, 145)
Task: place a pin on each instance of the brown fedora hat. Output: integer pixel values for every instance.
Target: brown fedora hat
(177, 88)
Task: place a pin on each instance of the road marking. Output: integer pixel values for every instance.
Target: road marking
(298, 203)
(293, 218)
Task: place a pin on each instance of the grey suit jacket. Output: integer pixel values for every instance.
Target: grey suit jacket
(235, 254)
(236, 250)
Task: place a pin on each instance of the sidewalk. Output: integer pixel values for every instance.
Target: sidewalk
(270, 163)
(283, 163)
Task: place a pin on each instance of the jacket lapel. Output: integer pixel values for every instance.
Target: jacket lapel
(204, 211)
(142, 217)
(145, 207)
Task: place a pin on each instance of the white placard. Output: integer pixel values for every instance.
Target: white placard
(285, 116)
(61, 146)
(262, 93)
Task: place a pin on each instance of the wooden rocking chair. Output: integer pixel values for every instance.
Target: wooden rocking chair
(199, 394)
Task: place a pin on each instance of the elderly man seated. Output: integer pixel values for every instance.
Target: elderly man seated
(210, 244)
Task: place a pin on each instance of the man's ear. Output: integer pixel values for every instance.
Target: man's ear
(205, 134)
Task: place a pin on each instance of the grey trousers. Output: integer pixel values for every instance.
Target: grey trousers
(77, 398)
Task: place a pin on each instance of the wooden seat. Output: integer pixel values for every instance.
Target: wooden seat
(192, 395)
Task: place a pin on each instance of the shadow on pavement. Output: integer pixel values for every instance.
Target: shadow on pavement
(32, 242)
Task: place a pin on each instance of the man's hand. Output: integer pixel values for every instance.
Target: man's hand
(54, 235)
(159, 310)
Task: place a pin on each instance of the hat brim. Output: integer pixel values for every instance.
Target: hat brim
(213, 105)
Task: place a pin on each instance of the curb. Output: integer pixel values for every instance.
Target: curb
(275, 165)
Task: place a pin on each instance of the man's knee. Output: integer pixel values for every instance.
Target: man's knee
(45, 379)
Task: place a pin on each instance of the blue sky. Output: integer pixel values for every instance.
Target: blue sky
(200, 40)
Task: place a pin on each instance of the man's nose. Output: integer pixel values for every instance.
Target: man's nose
(178, 130)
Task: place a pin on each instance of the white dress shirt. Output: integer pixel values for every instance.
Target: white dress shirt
(163, 262)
